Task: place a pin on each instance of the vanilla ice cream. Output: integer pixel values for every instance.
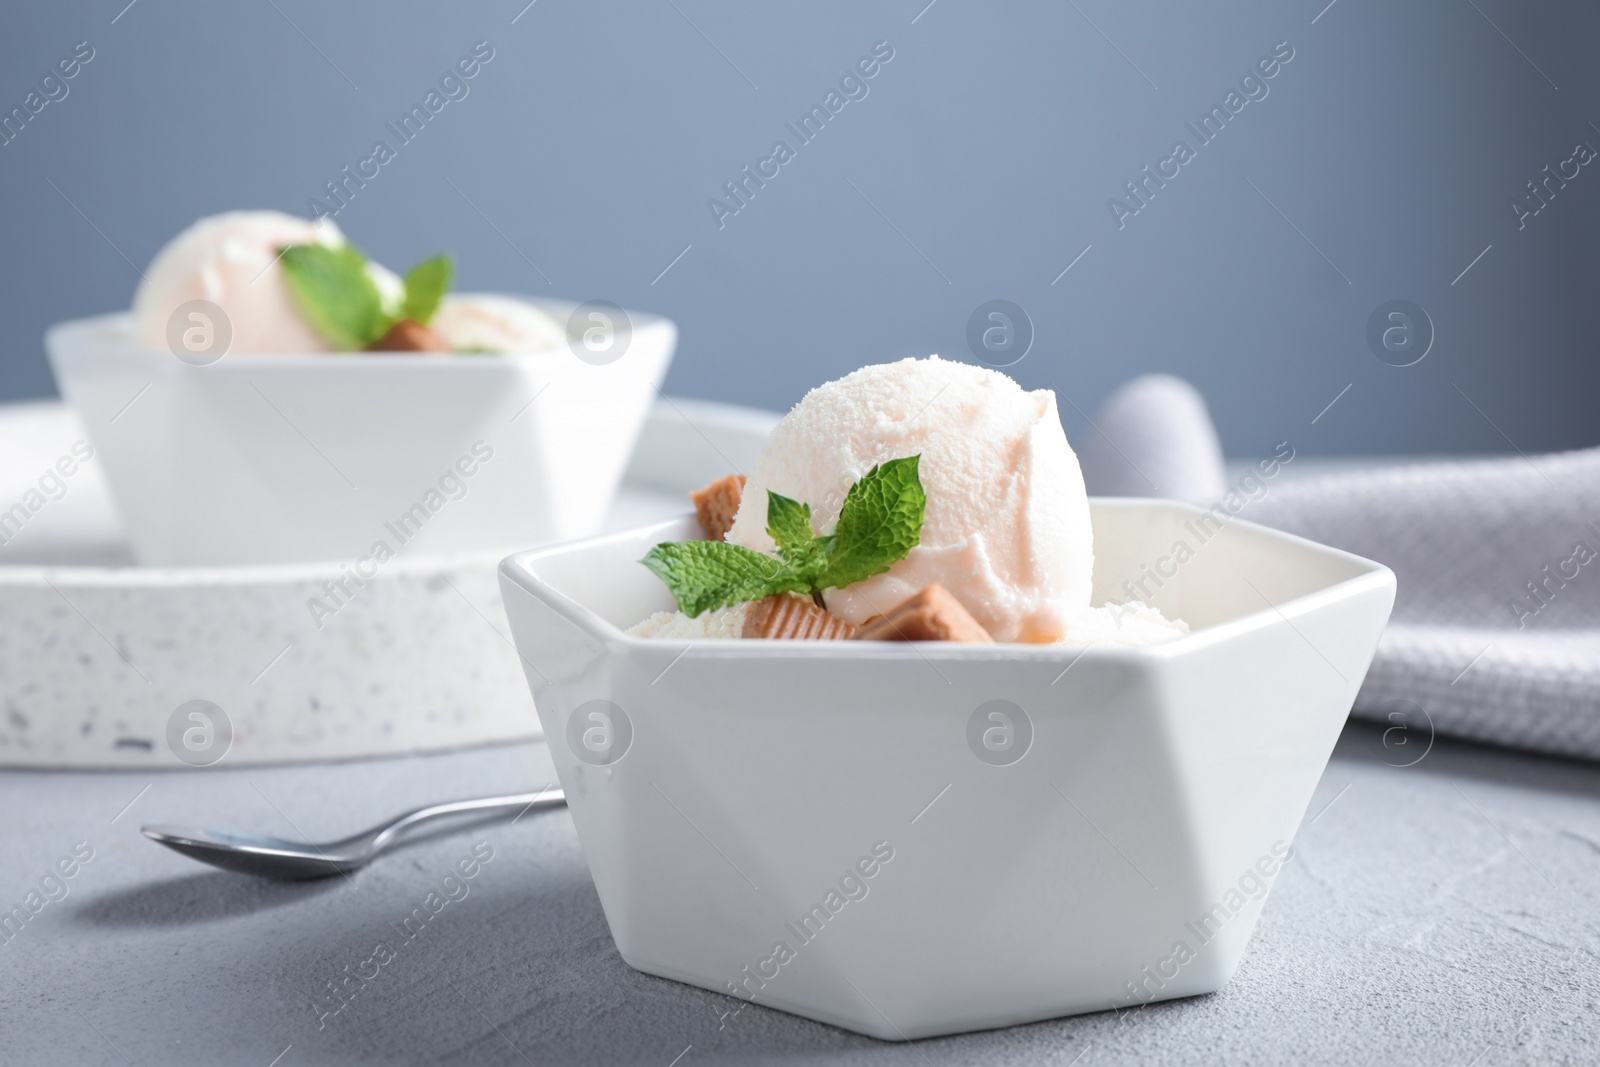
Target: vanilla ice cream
(488, 323)
(232, 261)
(1006, 528)
(676, 626)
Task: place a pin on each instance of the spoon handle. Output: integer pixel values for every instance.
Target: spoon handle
(384, 836)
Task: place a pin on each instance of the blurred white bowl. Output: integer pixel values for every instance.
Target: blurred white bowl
(299, 458)
(1042, 863)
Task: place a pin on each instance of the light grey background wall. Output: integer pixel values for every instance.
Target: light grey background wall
(1380, 165)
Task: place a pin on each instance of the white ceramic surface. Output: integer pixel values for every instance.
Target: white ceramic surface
(726, 787)
(281, 459)
(95, 660)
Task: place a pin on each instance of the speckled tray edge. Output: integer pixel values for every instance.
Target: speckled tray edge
(102, 665)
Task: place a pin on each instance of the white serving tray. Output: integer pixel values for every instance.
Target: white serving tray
(97, 655)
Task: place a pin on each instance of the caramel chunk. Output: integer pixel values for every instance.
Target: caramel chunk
(409, 335)
(794, 618)
(717, 504)
(930, 615)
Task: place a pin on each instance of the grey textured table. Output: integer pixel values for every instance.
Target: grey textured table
(1441, 913)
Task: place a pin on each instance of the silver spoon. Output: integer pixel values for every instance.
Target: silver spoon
(272, 857)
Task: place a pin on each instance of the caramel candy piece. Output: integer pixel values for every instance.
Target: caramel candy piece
(717, 504)
(930, 615)
(409, 335)
(795, 618)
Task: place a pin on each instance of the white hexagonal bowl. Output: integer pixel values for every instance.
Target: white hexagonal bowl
(306, 458)
(743, 782)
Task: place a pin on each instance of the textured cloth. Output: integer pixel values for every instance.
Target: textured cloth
(1496, 628)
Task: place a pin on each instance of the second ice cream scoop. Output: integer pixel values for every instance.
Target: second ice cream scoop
(232, 260)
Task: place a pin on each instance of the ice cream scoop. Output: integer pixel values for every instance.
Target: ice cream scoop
(488, 323)
(1006, 528)
(232, 260)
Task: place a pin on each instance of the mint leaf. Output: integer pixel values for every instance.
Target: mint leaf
(789, 525)
(705, 575)
(880, 523)
(334, 293)
(426, 284)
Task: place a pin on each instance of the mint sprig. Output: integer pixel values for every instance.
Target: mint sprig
(426, 284)
(335, 294)
(331, 287)
(880, 522)
(789, 526)
(705, 575)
